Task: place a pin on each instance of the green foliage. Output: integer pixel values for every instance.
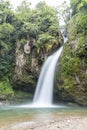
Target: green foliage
(7, 44)
(24, 7)
(4, 5)
(70, 62)
(39, 22)
(48, 25)
(45, 39)
(78, 23)
(78, 30)
(6, 30)
(30, 30)
(5, 66)
(81, 23)
(81, 49)
(23, 41)
(5, 89)
(6, 14)
(78, 6)
(78, 49)
(23, 11)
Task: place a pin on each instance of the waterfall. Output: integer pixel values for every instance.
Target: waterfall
(44, 89)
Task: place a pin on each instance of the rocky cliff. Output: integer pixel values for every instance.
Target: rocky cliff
(28, 62)
(72, 71)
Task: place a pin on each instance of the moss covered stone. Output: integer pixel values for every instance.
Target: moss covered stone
(72, 71)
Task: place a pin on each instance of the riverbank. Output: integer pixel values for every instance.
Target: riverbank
(57, 123)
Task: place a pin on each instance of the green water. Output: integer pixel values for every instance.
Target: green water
(14, 116)
(13, 113)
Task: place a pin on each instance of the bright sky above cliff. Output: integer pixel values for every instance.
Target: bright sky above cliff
(53, 3)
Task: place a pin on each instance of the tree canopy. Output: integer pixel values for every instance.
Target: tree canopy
(78, 6)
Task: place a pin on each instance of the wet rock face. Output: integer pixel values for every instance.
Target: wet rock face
(27, 48)
(20, 61)
(23, 78)
(34, 65)
(24, 59)
(28, 61)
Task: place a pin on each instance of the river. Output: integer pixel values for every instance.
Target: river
(13, 117)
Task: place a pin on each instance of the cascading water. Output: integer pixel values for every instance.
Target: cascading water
(44, 89)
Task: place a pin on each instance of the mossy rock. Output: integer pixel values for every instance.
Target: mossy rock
(71, 74)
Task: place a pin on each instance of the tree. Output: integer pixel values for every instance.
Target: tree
(24, 10)
(78, 6)
(6, 40)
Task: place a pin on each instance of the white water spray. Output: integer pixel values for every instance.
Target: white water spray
(44, 89)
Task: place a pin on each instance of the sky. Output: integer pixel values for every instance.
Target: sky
(52, 3)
